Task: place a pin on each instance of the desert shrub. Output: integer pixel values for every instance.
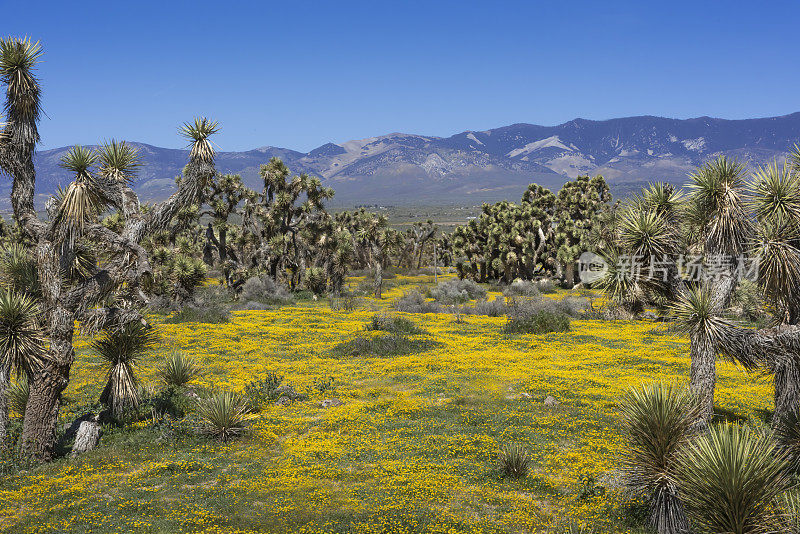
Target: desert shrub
(388, 344)
(514, 460)
(546, 286)
(178, 369)
(344, 302)
(457, 291)
(261, 392)
(533, 320)
(609, 311)
(493, 308)
(415, 302)
(17, 394)
(212, 314)
(263, 289)
(224, 415)
(522, 288)
(324, 384)
(730, 478)
(395, 325)
(658, 421)
(171, 401)
(163, 305)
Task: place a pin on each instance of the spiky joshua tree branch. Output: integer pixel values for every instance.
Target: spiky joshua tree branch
(101, 182)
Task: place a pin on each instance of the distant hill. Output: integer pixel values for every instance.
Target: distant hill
(476, 166)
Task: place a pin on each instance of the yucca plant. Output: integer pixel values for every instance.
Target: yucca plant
(514, 460)
(21, 337)
(18, 271)
(18, 393)
(22, 348)
(658, 419)
(178, 369)
(118, 161)
(18, 59)
(697, 312)
(224, 415)
(82, 200)
(729, 480)
(198, 133)
(120, 349)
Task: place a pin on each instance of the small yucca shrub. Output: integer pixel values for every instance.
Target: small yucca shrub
(514, 460)
(18, 394)
(178, 369)
(121, 349)
(224, 415)
(659, 419)
(730, 479)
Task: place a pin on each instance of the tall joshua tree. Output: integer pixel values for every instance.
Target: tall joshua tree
(102, 182)
(723, 220)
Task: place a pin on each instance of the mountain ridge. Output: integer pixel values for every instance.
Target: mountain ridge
(484, 165)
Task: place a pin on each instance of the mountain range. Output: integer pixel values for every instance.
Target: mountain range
(475, 166)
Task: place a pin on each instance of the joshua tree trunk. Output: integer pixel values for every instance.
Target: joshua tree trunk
(41, 412)
(787, 388)
(569, 274)
(703, 374)
(378, 279)
(3, 406)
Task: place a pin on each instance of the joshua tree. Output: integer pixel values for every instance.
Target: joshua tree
(101, 182)
(726, 223)
(223, 195)
(372, 240)
(577, 207)
(417, 236)
(281, 217)
(508, 241)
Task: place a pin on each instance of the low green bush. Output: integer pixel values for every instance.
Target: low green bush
(540, 322)
(395, 325)
(388, 344)
(263, 391)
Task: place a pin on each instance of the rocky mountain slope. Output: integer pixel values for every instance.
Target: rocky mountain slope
(475, 166)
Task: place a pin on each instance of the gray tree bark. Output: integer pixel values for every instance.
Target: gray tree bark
(703, 374)
(87, 437)
(3, 406)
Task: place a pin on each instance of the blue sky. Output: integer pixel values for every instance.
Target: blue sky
(299, 74)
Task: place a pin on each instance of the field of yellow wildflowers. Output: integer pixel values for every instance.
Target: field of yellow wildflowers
(413, 448)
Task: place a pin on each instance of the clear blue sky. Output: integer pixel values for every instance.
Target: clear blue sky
(298, 74)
